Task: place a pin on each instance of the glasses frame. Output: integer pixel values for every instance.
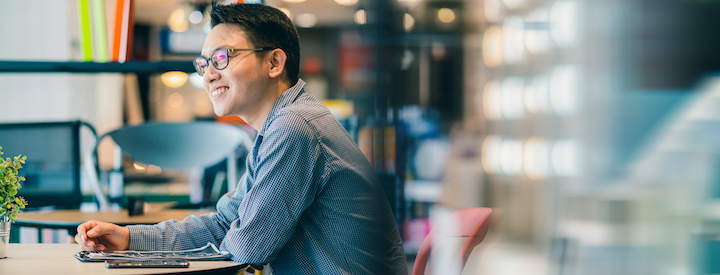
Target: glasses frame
(209, 60)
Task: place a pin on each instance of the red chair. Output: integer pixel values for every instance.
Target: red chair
(474, 224)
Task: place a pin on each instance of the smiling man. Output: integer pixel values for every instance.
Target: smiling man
(309, 202)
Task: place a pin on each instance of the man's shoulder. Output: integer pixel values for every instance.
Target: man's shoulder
(305, 109)
(305, 116)
(293, 121)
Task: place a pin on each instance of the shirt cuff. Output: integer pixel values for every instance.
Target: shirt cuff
(143, 237)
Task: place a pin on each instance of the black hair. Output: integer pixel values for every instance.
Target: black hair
(265, 26)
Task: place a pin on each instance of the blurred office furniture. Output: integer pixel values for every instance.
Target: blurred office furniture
(173, 145)
(52, 168)
(473, 224)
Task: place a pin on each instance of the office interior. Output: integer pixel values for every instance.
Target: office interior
(590, 127)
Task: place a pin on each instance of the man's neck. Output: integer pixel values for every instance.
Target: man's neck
(257, 118)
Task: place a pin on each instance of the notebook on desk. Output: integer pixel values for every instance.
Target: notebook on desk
(209, 252)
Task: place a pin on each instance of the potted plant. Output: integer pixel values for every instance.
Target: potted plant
(10, 204)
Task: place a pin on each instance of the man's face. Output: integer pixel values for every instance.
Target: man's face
(237, 89)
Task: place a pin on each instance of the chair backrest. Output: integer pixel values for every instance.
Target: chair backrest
(52, 168)
(177, 145)
(473, 224)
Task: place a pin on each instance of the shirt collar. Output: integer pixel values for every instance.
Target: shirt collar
(285, 99)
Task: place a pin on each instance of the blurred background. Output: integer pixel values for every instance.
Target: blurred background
(591, 127)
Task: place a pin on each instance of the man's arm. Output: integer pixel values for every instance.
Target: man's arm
(284, 187)
(192, 232)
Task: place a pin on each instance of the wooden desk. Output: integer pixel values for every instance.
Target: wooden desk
(70, 219)
(58, 259)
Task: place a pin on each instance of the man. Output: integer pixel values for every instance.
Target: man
(309, 202)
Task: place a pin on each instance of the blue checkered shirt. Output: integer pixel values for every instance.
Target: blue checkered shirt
(309, 203)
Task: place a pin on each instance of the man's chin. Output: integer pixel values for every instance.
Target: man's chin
(221, 113)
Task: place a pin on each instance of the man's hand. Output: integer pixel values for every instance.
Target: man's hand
(100, 236)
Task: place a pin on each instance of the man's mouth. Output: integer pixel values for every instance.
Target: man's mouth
(219, 91)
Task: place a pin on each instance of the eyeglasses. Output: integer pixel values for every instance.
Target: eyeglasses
(220, 59)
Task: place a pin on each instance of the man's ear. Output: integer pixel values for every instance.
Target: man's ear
(277, 62)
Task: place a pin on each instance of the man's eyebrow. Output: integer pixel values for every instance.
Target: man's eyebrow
(215, 49)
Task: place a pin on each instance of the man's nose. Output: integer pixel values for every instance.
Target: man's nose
(211, 73)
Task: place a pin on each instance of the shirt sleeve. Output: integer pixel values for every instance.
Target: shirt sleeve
(284, 187)
(192, 232)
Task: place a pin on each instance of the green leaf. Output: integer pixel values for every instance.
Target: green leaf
(10, 182)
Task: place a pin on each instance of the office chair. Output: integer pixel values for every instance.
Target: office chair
(53, 151)
(473, 224)
(174, 145)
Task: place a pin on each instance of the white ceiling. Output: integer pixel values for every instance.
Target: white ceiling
(156, 12)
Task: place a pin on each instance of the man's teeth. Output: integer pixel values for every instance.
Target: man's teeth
(219, 91)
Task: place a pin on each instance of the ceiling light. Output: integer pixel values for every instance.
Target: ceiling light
(346, 2)
(513, 40)
(306, 20)
(491, 154)
(511, 98)
(511, 157)
(446, 15)
(195, 17)
(408, 22)
(491, 100)
(174, 79)
(492, 47)
(563, 87)
(564, 25)
(536, 158)
(177, 21)
(537, 37)
(360, 17)
(536, 95)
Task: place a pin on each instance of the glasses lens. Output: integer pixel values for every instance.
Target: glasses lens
(220, 59)
(200, 65)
